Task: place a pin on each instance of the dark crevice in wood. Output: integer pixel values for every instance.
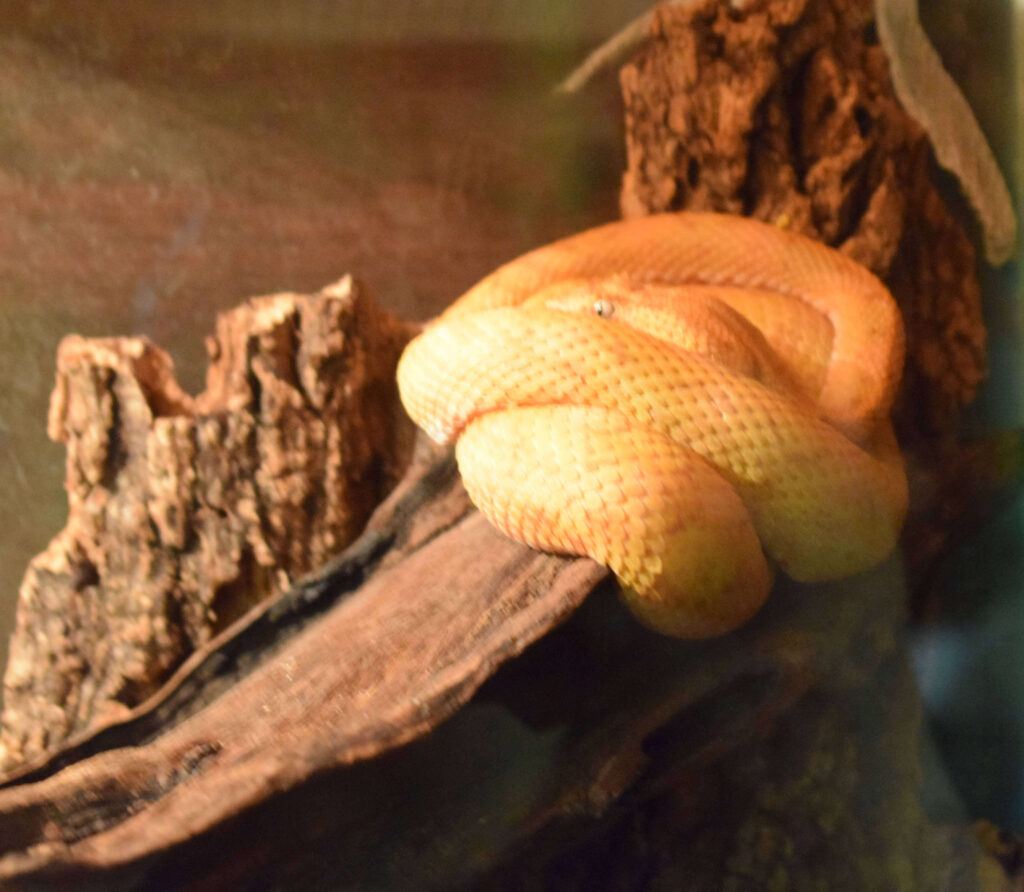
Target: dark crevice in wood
(248, 645)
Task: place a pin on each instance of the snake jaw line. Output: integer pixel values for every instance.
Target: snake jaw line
(683, 398)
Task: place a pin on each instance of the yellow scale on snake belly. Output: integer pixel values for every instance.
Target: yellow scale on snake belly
(690, 399)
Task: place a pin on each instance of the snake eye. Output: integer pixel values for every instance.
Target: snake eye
(604, 308)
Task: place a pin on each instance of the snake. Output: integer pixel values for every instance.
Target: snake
(694, 400)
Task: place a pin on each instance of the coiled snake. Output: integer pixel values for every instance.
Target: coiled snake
(678, 397)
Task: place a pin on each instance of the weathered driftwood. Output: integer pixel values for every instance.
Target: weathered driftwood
(785, 111)
(369, 653)
(183, 513)
(265, 759)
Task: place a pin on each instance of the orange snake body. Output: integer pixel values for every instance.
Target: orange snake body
(676, 396)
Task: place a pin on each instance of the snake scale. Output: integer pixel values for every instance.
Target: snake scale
(690, 399)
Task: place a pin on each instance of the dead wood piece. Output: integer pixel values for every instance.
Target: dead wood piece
(784, 110)
(290, 751)
(183, 513)
(280, 698)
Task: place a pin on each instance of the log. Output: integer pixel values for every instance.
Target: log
(288, 750)
(358, 658)
(183, 513)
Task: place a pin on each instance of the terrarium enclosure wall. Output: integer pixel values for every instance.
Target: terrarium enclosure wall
(244, 594)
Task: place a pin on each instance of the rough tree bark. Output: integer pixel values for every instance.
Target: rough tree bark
(184, 513)
(784, 111)
(438, 707)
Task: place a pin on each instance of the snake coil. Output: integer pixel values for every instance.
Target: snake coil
(690, 399)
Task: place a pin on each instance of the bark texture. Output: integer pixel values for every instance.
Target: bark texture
(605, 756)
(784, 110)
(183, 513)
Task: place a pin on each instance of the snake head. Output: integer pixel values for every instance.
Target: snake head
(691, 317)
(596, 297)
